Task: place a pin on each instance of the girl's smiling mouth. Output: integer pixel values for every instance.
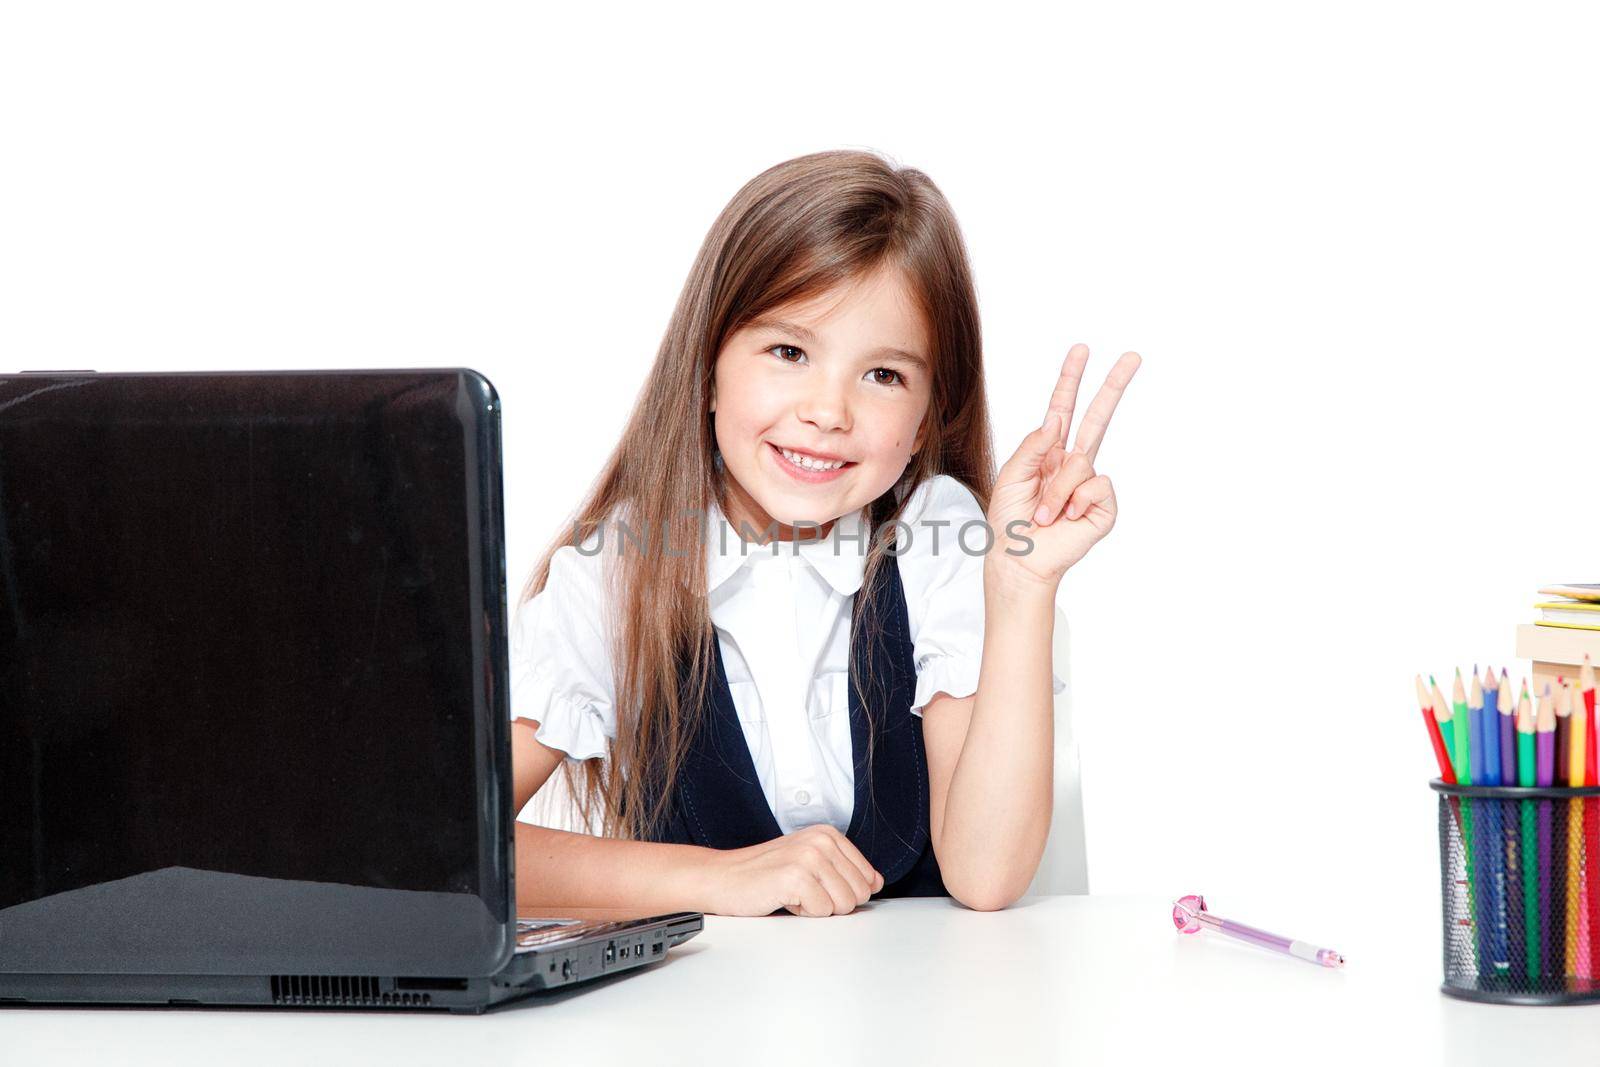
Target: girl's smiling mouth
(808, 466)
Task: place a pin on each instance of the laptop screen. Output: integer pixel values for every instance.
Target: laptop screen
(251, 634)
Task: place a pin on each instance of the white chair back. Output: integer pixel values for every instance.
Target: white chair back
(1064, 868)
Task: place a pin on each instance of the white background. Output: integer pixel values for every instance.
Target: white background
(1358, 247)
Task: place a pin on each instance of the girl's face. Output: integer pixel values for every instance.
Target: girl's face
(844, 377)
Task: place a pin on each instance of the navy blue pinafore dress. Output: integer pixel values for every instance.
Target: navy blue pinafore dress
(717, 801)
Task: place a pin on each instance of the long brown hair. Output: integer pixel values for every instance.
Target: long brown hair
(792, 233)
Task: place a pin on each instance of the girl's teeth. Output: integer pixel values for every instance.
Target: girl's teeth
(810, 464)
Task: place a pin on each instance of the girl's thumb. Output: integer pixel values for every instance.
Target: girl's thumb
(1051, 430)
(1030, 454)
(1042, 440)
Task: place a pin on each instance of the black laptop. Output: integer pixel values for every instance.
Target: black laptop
(254, 734)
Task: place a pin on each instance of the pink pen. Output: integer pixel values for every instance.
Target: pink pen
(1189, 914)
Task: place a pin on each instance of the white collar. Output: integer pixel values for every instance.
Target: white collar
(839, 557)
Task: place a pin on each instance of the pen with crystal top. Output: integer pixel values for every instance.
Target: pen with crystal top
(1189, 915)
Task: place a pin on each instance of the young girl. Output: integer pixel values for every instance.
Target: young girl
(796, 650)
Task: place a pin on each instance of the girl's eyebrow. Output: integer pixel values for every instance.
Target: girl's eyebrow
(899, 355)
(883, 352)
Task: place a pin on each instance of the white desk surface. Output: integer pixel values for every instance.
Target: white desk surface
(1087, 979)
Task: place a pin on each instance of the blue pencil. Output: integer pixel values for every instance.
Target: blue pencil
(1479, 743)
(1493, 767)
(1486, 838)
(1510, 900)
(1497, 845)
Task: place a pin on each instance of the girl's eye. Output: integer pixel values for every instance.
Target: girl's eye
(782, 350)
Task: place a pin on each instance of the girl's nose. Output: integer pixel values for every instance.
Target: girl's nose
(825, 407)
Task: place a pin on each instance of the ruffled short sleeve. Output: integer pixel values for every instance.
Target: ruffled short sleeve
(561, 671)
(941, 569)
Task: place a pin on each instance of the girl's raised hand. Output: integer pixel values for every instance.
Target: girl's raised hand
(1063, 505)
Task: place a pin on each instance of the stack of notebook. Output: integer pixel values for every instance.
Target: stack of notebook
(1568, 627)
(1574, 606)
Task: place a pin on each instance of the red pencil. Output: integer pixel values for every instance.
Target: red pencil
(1586, 683)
(1589, 739)
(1447, 773)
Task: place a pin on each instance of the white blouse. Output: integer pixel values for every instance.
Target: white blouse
(781, 612)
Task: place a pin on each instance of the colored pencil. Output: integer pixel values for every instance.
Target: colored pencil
(1441, 753)
(1508, 904)
(1460, 756)
(1490, 819)
(1586, 683)
(1458, 735)
(1563, 743)
(1466, 770)
(1498, 833)
(1578, 914)
(1443, 719)
(1507, 721)
(1528, 847)
(1544, 743)
(1500, 759)
(1438, 718)
(1562, 870)
(1486, 745)
(1578, 757)
(1544, 777)
(1476, 835)
(1586, 853)
(1591, 821)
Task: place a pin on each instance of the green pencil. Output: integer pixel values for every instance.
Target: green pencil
(1526, 777)
(1463, 768)
(1461, 754)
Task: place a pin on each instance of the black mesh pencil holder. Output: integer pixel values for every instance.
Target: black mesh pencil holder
(1520, 871)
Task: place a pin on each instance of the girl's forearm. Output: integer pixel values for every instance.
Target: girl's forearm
(557, 871)
(997, 808)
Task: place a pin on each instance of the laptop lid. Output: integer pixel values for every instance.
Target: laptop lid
(253, 674)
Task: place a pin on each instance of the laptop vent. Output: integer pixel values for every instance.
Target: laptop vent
(340, 989)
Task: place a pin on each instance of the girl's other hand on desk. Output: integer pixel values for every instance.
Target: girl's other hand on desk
(1054, 497)
(814, 871)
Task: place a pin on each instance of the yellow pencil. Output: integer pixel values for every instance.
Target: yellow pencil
(1563, 926)
(1576, 743)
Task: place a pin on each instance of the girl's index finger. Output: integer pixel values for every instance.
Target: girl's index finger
(1093, 428)
(1065, 396)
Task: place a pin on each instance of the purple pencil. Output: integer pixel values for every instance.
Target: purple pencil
(1509, 902)
(1545, 744)
(1545, 776)
(1508, 736)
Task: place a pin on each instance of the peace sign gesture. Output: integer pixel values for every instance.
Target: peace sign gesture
(1065, 507)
